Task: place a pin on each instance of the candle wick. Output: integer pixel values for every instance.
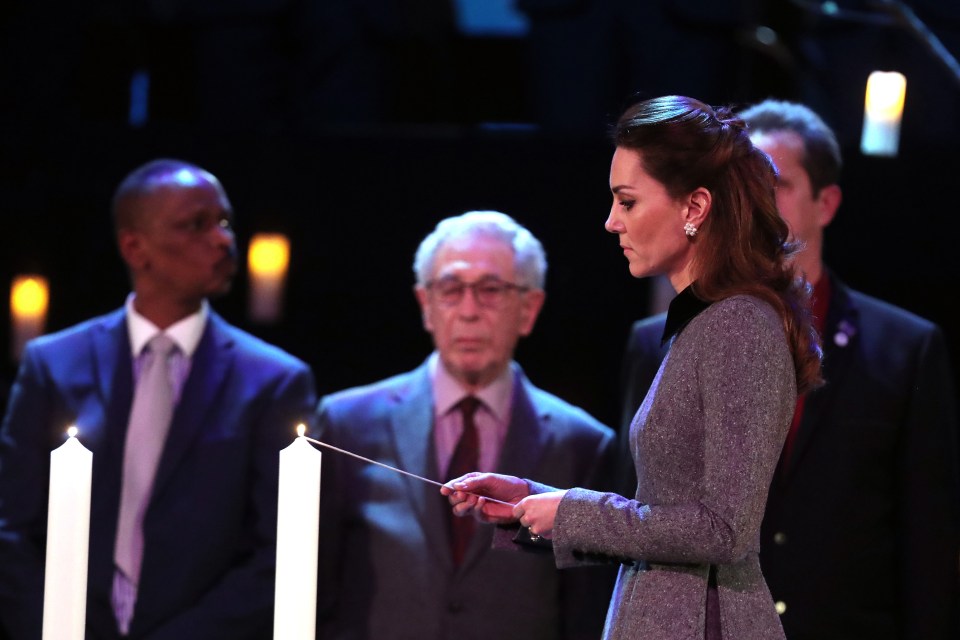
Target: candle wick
(406, 473)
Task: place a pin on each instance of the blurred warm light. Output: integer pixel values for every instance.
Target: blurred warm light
(301, 429)
(29, 299)
(885, 94)
(267, 262)
(269, 255)
(883, 111)
(72, 431)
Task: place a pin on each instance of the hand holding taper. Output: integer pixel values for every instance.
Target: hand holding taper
(445, 489)
(490, 497)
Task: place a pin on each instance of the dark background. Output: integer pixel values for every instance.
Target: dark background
(355, 125)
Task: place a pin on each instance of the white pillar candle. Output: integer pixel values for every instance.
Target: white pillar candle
(883, 110)
(68, 536)
(298, 522)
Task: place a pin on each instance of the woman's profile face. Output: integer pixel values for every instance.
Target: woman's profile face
(648, 221)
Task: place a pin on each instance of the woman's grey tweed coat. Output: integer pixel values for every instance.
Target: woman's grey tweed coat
(705, 443)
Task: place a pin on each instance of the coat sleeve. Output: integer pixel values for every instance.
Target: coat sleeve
(585, 593)
(746, 390)
(24, 475)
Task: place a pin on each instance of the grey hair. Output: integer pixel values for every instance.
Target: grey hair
(529, 259)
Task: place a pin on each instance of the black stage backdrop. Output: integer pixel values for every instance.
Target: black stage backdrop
(357, 203)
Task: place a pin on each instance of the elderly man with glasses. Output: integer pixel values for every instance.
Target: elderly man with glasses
(394, 562)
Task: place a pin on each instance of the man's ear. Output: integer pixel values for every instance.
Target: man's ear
(130, 244)
(828, 201)
(697, 206)
(530, 309)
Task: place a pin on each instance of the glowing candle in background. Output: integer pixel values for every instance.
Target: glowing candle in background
(298, 534)
(68, 537)
(29, 299)
(267, 262)
(882, 113)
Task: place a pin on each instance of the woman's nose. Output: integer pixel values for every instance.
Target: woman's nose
(612, 224)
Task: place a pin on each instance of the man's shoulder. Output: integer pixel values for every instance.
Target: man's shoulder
(257, 350)
(64, 341)
(367, 397)
(563, 414)
(649, 326)
(645, 338)
(889, 316)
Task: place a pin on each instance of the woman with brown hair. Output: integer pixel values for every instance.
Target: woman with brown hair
(693, 200)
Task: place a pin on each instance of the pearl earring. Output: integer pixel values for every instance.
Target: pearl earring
(690, 229)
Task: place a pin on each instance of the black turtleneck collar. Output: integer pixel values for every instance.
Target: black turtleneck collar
(683, 308)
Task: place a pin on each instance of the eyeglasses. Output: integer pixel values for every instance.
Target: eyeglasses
(488, 292)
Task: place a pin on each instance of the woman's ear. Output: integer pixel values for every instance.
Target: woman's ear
(698, 206)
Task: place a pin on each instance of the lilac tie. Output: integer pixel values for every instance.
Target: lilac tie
(146, 433)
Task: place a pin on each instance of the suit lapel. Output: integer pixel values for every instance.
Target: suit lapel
(524, 445)
(208, 373)
(114, 374)
(411, 428)
(840, 342)
(113, 371)
(527, 436)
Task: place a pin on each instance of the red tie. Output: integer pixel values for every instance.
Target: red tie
(465, 459)
(821, 305)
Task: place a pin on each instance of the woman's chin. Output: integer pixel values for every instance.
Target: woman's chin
(637, 271)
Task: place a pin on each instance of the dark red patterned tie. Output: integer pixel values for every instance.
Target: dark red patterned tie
(464, 460)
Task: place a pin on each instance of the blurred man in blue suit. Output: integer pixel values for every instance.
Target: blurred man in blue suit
(183, 508)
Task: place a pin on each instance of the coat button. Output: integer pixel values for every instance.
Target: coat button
(781, 607)
(780, 537)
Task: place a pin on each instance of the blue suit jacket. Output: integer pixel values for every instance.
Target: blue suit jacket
(861, 534)
(210, 528)
(386, 567)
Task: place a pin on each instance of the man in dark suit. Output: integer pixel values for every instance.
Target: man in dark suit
(186, 551)
(861, 532)
(395, 563)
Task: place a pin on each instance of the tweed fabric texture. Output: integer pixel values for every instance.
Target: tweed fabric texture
(705, 443)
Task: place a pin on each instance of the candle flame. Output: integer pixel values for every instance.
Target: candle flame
(269, 254)
(883, 110)
(29, 296)
(72, 431)
(885, 95)
(301, 429)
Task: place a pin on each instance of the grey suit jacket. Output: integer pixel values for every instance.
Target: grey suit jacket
(705, 444)
(386, 568)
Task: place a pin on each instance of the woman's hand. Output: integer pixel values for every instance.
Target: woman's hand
(468, 494)
(538, 512)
